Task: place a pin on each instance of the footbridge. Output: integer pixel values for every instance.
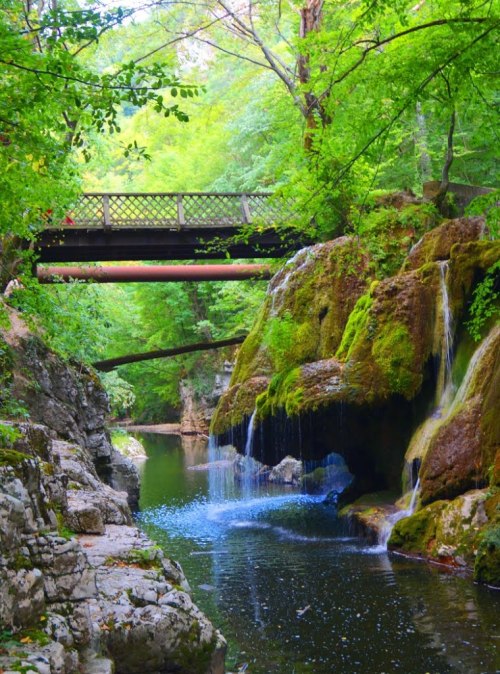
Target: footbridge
(169, 226)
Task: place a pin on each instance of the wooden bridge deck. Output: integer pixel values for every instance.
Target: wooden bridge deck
(168, 226)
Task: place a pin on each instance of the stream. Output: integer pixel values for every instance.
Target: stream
(292, 593)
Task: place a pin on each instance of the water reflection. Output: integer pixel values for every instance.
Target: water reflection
(293, 595)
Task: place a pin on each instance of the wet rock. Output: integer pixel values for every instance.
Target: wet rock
(460, 533)
(437, 244)
(246, 467)
(330, 476)
(465, 445)
(288, 471)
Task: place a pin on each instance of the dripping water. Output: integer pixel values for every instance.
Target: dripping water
(445, 385)
(248, 466)
(386, 530)
(250, 434)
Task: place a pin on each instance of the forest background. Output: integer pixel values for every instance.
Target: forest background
(329, 103)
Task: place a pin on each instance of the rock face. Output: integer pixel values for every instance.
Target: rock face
(464, 446)
(345, 360)
(198, 410)
(104, 599)
(69, 399)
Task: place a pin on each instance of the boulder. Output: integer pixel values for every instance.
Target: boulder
(437, 244)
(288, 471)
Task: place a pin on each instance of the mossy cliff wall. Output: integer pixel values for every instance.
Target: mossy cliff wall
(343, 360)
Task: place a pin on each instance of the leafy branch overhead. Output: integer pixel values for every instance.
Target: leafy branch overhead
(41, 54)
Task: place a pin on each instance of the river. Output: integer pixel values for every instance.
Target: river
(275, 571)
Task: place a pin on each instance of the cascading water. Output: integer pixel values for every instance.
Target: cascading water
(249, 463)
(250, 432)
(385, 532)
(444, 398)
(444, 392)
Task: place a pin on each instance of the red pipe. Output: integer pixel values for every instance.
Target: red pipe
(193, 272)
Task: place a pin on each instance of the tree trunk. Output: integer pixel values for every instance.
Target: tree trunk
(445, 176)
(310, 21)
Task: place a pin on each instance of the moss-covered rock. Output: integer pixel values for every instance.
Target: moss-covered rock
(465, 445)
(304, 315)
(417, 534)
(464, 532)
(436, 244)
(487, 565)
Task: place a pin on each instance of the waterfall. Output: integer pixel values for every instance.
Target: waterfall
(385, 531)
(250, 434)
(444, 391)
(248, 466)
(443, 404)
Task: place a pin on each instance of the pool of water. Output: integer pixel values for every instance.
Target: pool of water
(274, 570)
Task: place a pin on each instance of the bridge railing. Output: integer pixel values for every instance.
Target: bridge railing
(175, 210)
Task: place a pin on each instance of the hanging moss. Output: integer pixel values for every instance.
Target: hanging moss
(393, 353)
(355, 324)
(283, 392)
(252, 358)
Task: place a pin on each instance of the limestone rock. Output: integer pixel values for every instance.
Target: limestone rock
(146, 621)
(465, 445)
(460, 533)
(114, 592)
(318, 287)
(69, 399)
(288, 471)
(437, 244)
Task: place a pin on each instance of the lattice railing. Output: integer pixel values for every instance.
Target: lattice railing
(175, 211)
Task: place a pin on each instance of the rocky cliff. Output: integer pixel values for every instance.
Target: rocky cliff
(349, 355)
(81, 589)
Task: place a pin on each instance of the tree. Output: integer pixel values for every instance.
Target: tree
(358, 73)
(50, 101)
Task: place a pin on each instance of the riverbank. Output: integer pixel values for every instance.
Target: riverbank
(167, 429)
(81, 589)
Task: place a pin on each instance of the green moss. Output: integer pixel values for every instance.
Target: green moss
(314, 481)
(192, 655)
(389, 233)
(393, 353)
(487, 564)
(10, 457)
(247, 362)
(283, 392)
(417, 533)
(21, 562)
(355, 324)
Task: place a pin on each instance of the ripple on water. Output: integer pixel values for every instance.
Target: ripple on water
(257, 564)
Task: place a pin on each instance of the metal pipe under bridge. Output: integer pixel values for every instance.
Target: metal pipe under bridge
(170, 226)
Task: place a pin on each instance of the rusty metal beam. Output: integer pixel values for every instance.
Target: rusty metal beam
(158, 273)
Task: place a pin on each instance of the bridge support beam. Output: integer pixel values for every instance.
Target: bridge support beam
(157, 273)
